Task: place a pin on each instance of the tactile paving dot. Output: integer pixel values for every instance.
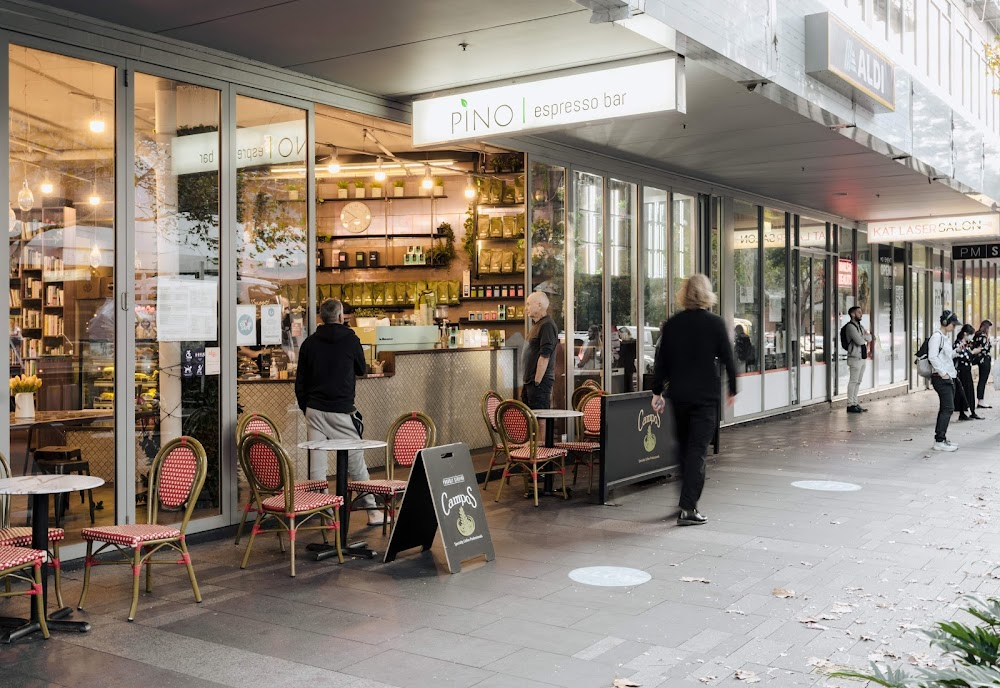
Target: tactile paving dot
(826, 486)
(609, 576)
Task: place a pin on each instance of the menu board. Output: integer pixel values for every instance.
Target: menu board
(186, 310)
(637, 443)
(442, 490)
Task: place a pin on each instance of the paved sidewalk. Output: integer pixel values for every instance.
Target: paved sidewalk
(865, 566)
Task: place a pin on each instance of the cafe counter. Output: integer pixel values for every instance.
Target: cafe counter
(445, 384)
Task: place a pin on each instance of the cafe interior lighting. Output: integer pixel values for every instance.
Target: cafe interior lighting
(46, 187)
(94, 200)
(333, 167)
(379, 172)
(427, 182)
(25, 199)
(470, 189)
(97, 124)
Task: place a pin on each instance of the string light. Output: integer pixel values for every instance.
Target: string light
(379, 172)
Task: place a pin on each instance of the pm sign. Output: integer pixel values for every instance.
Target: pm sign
(636, 89)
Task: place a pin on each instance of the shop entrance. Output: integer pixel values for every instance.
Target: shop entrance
(814, 343)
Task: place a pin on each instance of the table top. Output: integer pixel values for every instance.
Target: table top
(49, 417)
(48, 484)
(342, 445)
(556, 413)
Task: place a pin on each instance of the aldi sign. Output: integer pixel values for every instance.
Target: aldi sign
(848, 63)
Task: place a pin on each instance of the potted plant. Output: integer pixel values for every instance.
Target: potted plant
(376, 189)
(359, 188)
(23, 387)
(399, 188)
(443, 251)
(293, 192)
(438, 186)
(342, 187)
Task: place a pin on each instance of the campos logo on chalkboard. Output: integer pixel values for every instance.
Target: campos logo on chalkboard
(647, 421)
(466, 524)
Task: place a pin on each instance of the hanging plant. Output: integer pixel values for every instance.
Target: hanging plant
(443, 250)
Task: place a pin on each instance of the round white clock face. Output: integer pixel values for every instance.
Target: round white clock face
(356, 217)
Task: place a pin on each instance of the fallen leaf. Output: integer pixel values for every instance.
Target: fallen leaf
(708, 679)
(783, 593)
(747, 676)
(624, 683)
(690, 579)
(841, 609)
(813, 626)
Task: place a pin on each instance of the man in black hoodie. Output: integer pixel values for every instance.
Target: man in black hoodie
(329, 362)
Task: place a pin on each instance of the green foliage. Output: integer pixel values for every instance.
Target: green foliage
(469, 240)
(359, 183)
(343, 184)
(443, 250)
(974, 653)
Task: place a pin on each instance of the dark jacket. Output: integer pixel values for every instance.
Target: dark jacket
(329, 362)
(692, 345)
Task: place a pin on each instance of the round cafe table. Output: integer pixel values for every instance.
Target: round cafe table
(550, 416)
(342, 447)
(39, 487)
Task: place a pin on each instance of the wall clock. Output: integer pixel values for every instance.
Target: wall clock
(356, 217)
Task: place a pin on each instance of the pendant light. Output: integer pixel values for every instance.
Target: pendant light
(427, 182)
(379, 172)
(97, 121)
(333, 167)
(25, 199)
(46, 187)
(470, 190)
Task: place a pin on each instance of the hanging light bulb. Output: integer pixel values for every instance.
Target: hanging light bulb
(379, 172)
(95, 256)
(95, 200)
(46, 187)
(333, 167)
(427, 182)
(470, 190)
(11, 220)
(25, 199)
(97, 121)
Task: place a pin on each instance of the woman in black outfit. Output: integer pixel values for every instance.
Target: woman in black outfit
(981, 340)
(965, 391)
(692, 345)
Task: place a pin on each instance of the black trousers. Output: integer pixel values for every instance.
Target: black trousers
(968, 389)
(984, 375)
(695, 427)
(946, 397)
(537, 396)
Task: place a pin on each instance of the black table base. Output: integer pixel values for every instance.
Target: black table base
(56, 621)
(548, 484)
(357, 550)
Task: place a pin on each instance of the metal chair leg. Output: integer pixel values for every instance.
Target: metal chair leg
(86, 574)
(149, 574)
(243, 523)
(253, 536)
(136, 566)
(190, 569)
(291, 541)
(534, 481)
(57, 573)
(40, 602)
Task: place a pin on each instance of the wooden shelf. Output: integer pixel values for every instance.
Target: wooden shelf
(382, 267)
(508, 240)
(502, 205)
(513, 321)
(326, 239)
(491, 298)
(382, 198)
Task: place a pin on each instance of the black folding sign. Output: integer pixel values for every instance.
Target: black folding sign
(637, 442)
(442, 490)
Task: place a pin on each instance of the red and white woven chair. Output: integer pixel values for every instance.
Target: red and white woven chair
(20, 536)
(258, 423)
(269, 472)
(408, 434)
(175, 482)
(14, 565)
(488, 406)
(518, 429)
(587, 450)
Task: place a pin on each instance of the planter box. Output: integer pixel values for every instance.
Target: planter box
(376, 193)
(359, 193)
(398, 191)
(342, 193)
(439, 191)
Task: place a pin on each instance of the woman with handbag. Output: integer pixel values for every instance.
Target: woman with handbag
(964, 356)
(981, 340)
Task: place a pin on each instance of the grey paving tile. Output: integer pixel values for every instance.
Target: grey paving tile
(413, 671)
(452, 647)
(565, 641)
(556, 669)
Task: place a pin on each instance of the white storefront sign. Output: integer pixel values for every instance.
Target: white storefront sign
(637, 89)
(267, 144)
(957, 228)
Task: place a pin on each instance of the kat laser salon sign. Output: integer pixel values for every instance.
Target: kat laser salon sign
(635, 89)
(956, 227)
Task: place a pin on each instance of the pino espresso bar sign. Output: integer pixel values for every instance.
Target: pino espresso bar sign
(848, 63)
(551, 103)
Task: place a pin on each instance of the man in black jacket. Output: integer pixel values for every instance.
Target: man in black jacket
(692, 345)
(329, 362)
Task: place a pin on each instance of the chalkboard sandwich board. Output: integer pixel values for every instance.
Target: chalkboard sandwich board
(442, 490)
(637, 443)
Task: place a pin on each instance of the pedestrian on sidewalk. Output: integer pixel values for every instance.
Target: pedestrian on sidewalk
(693, 343)
(858, 341)
(539, 362)
(965, 392)
(985, 363)
(939, 355)
(330, 360)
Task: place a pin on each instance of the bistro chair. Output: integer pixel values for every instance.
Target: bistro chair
(175, 481)
(14, 565)
(408, 434)
(587, 450)
(491, 400)
(518, 428)
(583, 390)
(258, 423)
(269, 471)
(20, 536)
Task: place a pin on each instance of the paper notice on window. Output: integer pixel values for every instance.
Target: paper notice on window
(246, 325)
(213, 360)
(270, 324)
(186, 310)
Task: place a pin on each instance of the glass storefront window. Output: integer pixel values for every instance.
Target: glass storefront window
(845, 299)
(776, 390)
(683, 241)
(176, 273)
(61, 174)
(866, 289)
(899, 354)
(548, 255)
(747, 307)
(588, 279)
(884, 354)
(715, 248)
(624, 335)
(653, 252)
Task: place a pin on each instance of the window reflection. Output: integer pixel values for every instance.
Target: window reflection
(588, 280)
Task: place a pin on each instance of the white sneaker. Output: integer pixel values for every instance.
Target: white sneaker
(944, 447)
(376, 518)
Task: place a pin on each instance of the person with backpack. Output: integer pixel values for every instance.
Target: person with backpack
(855, 339)
(939, 356)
